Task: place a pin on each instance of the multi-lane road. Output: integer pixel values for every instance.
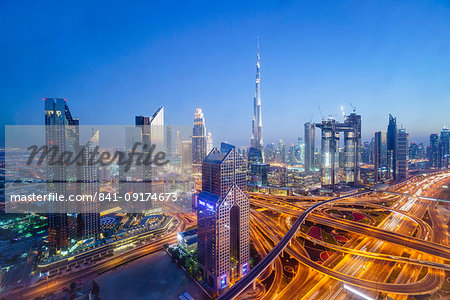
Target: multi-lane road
(365, 264)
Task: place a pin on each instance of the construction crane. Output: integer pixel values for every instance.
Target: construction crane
(343, 112)
(320, 112)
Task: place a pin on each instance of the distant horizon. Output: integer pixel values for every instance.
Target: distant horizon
(379, 57)
(412, 137)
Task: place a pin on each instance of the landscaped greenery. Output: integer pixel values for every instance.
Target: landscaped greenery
(187, 260)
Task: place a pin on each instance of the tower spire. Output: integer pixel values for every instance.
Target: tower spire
(257, 140)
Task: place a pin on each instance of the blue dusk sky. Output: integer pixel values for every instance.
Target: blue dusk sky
(113, 60)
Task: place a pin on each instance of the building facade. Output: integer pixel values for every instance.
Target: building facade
(257, 128)
(433, 151)
(223, 212)
(351, 159)
(380, 156)
(392, 140)
(61, 130)
(199, 141)
(310, 163)
(443, 152)
(402, 154)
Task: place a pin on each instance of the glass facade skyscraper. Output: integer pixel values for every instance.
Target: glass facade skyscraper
(310, 162)
(433, 151)
(402, 154)
(392, 148)
(61, 130)
(380, 156)
(331, 130)
(223, 218)
(444, 153)
(199, 141)
(329, 152)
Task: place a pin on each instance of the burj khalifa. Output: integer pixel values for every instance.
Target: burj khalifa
(257, 138)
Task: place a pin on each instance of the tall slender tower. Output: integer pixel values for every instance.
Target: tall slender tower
(199, 141)
(61, 129)
(310, 163)
(402, 153)
(392, 148)
(257, 138)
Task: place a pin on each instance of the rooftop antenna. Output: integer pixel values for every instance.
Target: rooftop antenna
(257, 43)
(353, 107)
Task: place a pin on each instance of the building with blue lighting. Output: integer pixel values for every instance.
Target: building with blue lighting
(223, 212)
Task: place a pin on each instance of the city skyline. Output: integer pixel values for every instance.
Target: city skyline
(136, 164)
(299, 69)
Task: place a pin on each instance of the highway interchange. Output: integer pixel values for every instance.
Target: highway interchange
(374, 253)
(411, 241)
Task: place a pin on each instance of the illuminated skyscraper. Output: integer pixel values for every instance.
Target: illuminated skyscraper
(257, 130)
(300, 151)
(209, 143)
(223, 213)
(199, 141)
(61, 130)
(392, 148)
(310, 162)
(380, 156)
(89, 217)
(443, 153)
(352, 150)
(329, 152)
(149, 179)
(433, 152)
(402, 154)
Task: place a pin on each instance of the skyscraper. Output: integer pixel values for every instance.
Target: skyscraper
(169, 140)
(223, 213)
(329, 152)
(392, 148)
(402, 153)
(281, 152)
(443, 153)
(310, 162)
(61, 130)
(209, 143)
(433, 153)
(186, 157)
(151, 133)
(199, 141)
(89, 218)
(367, 152)
(352, 150)
(257, 130)
(380, 156)
(178, 143)
(300, 151)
